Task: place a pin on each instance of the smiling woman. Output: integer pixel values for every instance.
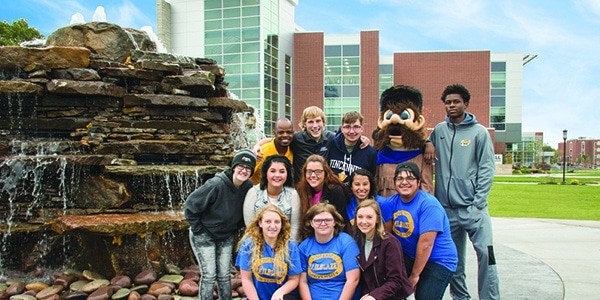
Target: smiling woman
(276, 188)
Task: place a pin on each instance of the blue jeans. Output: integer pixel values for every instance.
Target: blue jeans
(432, 282)
(214, 259)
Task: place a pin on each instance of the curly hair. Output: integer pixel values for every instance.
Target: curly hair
(254, 233)
(360, 237)
(364, 172)
(320, 208)
(305, 191)
(289, 181)
(457, 89)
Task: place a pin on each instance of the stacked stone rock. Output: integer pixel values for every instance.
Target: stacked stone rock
(139, 130)
(76, 285)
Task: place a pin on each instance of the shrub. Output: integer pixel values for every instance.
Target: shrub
(574, 182)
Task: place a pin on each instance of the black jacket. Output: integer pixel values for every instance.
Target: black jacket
(216, 207)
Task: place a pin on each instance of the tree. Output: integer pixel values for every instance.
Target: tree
(17, 32)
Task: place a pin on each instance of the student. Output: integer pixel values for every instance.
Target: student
(319, 184)
(362, 185)
(276, 188)
(269, 261)
(283, 135)
(464, 173)
(214, 213)
(420, 224)
(383, 273)
(346, 150)
(328, 257)
(313, 139)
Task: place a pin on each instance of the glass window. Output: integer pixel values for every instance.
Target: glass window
(333, 79)
(351, 91)
(250, 80)
(250, 34)
(231, 13)
(332, 91)
(231, 36)
(386, 69)
(498, 119)
(499, 127)
(329, 70)
(233, 69)
(498, 66)
(333, 51)
(250, 57)
(351, 50)
(351, 61)
(250, 2)
(212, 37)
(250, 68)
(333, 61)
(498, 76)
(497, 111)
(250, 93)
(499, 84)
(232, 59)
(232, 48)
(212, 25)
(498, 101)
(498, 92)
(208, 4)
(212, 14)
(230, 3)
(231, 23)
(250, 22)
(351, 70)
(250, 11)
(251, 47)
(217, 49)
(351, 79)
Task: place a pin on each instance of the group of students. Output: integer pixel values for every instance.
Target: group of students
(311, 233)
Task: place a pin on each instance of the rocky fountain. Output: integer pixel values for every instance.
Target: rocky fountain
(101, 140)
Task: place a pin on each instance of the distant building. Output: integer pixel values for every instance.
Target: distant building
(271, 61)
(582, 151)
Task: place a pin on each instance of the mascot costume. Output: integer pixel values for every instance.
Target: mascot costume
(400, 136)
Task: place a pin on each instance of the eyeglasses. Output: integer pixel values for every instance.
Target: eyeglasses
(316, 172)
(407, 179)
(244, 168)
(321, 221)
(355, 127)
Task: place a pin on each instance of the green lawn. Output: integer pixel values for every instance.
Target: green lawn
(553, 201)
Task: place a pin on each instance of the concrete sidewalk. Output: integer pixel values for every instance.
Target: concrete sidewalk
(543, 259)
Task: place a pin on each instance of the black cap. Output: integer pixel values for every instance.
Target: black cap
(245, 157)
(410, 167)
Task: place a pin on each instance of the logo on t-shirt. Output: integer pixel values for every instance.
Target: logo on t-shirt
(325, 266)
(267, 269)
(404, 224)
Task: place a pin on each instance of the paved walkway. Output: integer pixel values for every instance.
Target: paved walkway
(544, 259)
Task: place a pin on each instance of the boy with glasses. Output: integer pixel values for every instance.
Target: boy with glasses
(419, 222)
(346, 151)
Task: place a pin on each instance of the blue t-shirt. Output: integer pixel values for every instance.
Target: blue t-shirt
(353, 204)
(267, 274)
(423, 214)
(326, 265)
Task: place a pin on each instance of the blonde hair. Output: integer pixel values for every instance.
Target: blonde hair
(379, 229)
(312, 112)
(254, 233)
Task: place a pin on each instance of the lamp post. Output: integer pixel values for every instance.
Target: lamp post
(564, 154)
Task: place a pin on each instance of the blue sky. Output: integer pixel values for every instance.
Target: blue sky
(561, 87)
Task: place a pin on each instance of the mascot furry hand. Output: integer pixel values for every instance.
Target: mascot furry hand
(400, 136)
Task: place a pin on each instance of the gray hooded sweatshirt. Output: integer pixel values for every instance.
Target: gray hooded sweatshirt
(465, 167)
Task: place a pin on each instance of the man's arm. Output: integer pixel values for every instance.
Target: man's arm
(486, 168)
(424, 247)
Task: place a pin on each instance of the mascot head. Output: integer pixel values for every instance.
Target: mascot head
(401, 126)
